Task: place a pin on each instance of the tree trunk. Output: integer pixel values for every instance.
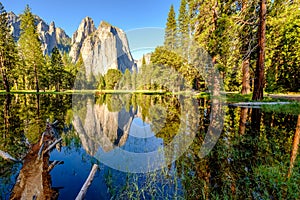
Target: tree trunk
(3, 73)
(36, 78)
(243, 120)
(260, 64)
(295, 147)
(246, 77)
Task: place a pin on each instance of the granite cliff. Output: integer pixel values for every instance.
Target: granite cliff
(50, 35)
(103, 48)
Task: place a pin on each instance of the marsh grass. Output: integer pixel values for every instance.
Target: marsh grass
(292, 108)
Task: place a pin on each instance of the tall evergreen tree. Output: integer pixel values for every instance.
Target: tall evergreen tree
(8, 53)
(183, 27)
(30, 47)
(260, 64)
(171, 30)
(247, 28)
(57, 71)
(81, 82)
(283, 52)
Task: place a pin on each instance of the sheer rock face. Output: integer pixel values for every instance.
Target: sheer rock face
(14, 22)
(103, 49)
(101, 128)
(50, 36)
(85, 29)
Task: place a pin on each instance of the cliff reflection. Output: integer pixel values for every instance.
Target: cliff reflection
(165, 123)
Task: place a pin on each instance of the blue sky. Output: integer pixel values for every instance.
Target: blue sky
(125, 14)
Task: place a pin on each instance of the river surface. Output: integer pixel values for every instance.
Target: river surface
(155, 147)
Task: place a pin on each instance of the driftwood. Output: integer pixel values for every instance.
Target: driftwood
(53, 164)
(87, 183)
(7, 156)
(34, 180)
(40, 151)
(52, 145)
(42, 139)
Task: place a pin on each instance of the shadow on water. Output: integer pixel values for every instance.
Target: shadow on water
(255, 156)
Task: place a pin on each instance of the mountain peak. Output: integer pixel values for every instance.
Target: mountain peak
(85, 28)
(101, 49)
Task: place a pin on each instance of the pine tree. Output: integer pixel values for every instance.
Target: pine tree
(30, 47)
(183, 27)
(80, 79)
(260, 64)
(283, 52)
(8, 52)
(143, 60)
(171, 30)
(57, 71)
(216, 32)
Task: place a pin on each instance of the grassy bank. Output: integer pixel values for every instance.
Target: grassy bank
(86, 92)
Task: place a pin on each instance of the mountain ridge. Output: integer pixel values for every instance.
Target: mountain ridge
(50, 35)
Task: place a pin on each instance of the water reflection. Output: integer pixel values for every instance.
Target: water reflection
(163, 129)
(22, 120)
(255, 156)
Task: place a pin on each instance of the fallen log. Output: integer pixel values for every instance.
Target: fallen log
(34, 180)
(87, 183)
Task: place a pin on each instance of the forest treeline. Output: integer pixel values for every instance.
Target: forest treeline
(254, 45)
(249, 41)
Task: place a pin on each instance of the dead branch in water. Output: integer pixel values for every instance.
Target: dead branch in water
(87, 183)
(42, 139)
(53, 164)
(52, 145)
(40, 151)
(7, 156)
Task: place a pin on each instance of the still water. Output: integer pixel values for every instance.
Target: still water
(155, 147)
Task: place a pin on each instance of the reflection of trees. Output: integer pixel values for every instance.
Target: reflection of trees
(24, 116)
(243, 120)
(247, 162)
(295, 147)
(166, 121)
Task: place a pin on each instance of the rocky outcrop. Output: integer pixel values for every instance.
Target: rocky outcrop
(101, 128)
(103, 49)
(85, 29)
(50, 36)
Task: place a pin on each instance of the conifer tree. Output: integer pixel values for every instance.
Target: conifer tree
(183, 27)
(283, 52)
(259, 80)
(143, 60)
(80, 77)
(171, 30)
(57, 71)
(30, 47)
(8, 53)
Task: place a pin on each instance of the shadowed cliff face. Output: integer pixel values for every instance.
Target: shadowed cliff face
(100, 128)
(101, 49)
